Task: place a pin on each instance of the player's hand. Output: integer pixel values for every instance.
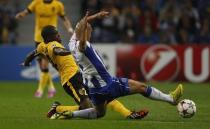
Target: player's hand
(84, 19)
(25, 64)
(81, 26)
(19, 16)
(102, 14)
(83, 23)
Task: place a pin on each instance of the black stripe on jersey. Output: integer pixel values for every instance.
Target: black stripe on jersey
(70, 92)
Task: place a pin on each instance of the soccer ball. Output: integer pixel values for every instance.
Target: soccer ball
(186, 108)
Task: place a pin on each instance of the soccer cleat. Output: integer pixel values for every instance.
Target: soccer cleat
(52, 110)
(51, 93)
(55, 116)
(176, 94)
(138, 115)
(63, 115)
(38, 94)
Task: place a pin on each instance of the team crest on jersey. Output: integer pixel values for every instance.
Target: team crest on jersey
(82, 91)
(54, 45)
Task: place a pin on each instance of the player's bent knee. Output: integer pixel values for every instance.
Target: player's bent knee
(44, 66)
(85, 103)
(43, 62)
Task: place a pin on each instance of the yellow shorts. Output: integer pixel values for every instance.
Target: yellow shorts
(37, 36)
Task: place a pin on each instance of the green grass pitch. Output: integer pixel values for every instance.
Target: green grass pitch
(20, 110)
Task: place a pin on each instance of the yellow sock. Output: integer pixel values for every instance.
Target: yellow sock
(50, 82)
(42, 81)
(119, 107)
(61, 109)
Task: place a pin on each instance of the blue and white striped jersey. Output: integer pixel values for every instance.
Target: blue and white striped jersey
(91, 64)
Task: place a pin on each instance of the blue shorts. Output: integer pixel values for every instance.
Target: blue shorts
(118, 87)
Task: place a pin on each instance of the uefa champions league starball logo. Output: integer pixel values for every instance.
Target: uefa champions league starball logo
(160, 63)
(33, 72)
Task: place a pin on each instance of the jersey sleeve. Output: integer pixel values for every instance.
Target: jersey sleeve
(61, 9)
(32, 5)
(40, 48)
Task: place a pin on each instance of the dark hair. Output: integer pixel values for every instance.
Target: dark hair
(49, 33)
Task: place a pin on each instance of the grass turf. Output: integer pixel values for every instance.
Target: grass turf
(20, 110)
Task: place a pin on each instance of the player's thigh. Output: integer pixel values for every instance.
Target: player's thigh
(71, 92)
(136, 86)
(83, 101)
(76, 82)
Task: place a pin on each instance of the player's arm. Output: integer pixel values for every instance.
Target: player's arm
(66, 21)
(28, 10)
(81, 32)
(98, 15)
(83, 28)
(85, 36)
(61, 51)
(22, 14)
(67, 24)
(30, 58)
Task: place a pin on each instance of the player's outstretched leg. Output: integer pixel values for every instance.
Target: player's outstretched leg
(154, 93)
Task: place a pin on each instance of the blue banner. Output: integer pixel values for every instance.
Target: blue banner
(10, 59)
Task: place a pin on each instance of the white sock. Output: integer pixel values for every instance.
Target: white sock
(89, 113)
(158, 95)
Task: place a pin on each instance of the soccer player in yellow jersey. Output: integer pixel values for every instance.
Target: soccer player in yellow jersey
(63, 62)
(46, 13)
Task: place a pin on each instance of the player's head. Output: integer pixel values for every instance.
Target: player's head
(49, 34)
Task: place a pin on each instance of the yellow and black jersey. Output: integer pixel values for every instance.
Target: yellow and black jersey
(45, 14)
(65, 65)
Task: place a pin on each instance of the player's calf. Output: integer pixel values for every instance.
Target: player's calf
(154, 93)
